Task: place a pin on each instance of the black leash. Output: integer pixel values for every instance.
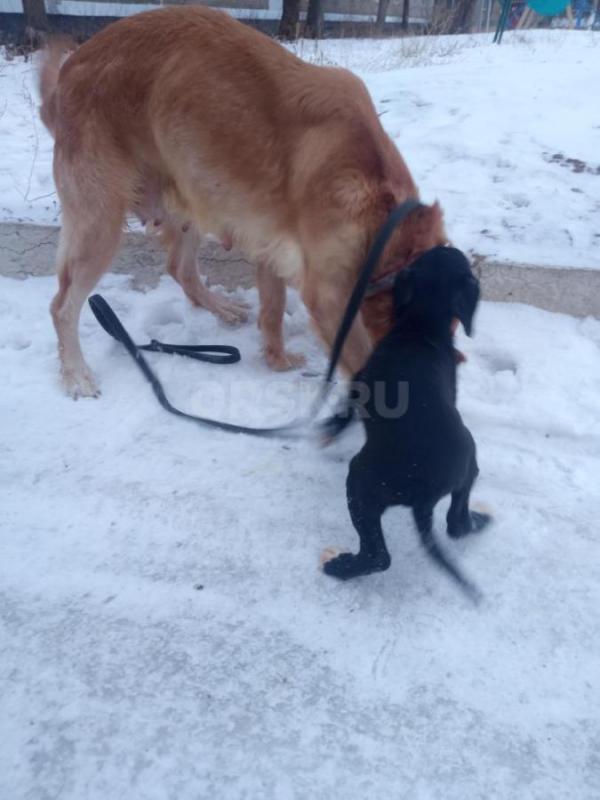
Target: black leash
(396, 216)
(112, 325)
(211, 353)
(223, 354)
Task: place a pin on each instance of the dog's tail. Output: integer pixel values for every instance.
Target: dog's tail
(53, 57)
(445, 562)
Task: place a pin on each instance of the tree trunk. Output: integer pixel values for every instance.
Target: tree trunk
(314, 19)
(288, 26)
(382, 9)
(35, 15)
(462, 15)
(405, 14)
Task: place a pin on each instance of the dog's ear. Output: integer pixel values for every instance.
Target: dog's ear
(465, 302)
(404, 288)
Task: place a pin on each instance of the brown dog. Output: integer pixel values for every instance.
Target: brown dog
(199, 124)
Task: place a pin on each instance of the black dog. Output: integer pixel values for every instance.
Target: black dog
(418, 450)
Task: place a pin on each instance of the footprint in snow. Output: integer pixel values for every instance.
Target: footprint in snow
(163, 314)
(16, 342)
(495, 362)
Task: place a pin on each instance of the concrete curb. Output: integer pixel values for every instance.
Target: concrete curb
(30, 250)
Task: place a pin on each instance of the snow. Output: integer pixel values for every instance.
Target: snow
(167, 633)
(488, 130)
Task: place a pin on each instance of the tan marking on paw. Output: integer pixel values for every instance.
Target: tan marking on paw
(329, 553)
(482, 508)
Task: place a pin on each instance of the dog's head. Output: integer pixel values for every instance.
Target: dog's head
(437, 289)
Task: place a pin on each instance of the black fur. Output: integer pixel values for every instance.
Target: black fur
(426, 453)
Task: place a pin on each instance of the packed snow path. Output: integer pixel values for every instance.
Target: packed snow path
(167, 634)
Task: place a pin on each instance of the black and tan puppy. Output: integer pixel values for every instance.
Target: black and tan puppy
(418, 450)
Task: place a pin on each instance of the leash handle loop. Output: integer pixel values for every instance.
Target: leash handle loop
(211, 353)
(112, 325)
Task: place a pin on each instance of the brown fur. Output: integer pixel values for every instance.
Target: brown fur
(199, 124)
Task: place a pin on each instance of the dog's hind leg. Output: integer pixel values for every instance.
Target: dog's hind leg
(460, 519)
(423, 516)
(183, 266)
(88, 241)
(272, 292)
(373, 555)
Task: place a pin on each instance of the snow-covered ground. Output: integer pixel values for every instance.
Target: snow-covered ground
(508, 138)
(166, 631)
(167, 634)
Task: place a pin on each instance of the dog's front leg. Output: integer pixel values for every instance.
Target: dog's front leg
(326, 303)
(333, 426)
(272, 294)
(347, 411)
(365, 512)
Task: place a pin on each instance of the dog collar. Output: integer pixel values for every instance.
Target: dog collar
(382, 282)
(386, 280)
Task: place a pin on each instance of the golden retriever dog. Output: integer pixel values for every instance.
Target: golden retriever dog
(199, 124)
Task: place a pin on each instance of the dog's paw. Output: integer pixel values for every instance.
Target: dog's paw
(232, 312)
(481, 516)
(475, 522)
(479, 521)
(80, 384)
(282, 360)
(482, 508)
(328, 554)
(347, 565)
(330, 429)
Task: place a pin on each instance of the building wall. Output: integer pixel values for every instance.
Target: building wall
(335, 10)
